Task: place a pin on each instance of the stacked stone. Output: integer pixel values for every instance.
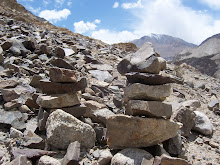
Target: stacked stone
(146, 120)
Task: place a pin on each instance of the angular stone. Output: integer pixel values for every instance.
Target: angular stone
(20, 160)
(61, 63)
(6, 45)
(47, 160)
(49, 87)
(77, 110)
(167, 160)
(130, 156)
(42, 119)
(68, 51)
(101, 75)
(101, 115)
(1, 57)
(58, 100)
(31, 153)
(59, 52)
(138, 132)
(31, 102)
(8, 84)
(139, 91)
(151, 79)
(14, 133)
(35, 81)
(14, 104)
(32, 140)
(213, 105)
(105, 157)
(192, 104)
(185, 116)
(30, 45)
(144, 60)
(72, 154)
(94, 105)
(62, 75)
(9, 117)
(101, 135)
(202, 124)
(63, 128)
(148, 108)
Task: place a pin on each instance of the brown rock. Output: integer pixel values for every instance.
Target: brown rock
(139, 91)
(59, 52)
(127, 131)
(148, 108)
(62, 75)
(61, 63)
(42, 119)
(151, 79)
(77, 110)
(8, 84)
(58, 100)
(72, 154)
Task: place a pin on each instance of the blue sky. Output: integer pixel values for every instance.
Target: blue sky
(124, 20)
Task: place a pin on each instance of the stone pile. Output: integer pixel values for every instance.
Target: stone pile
(146, 120)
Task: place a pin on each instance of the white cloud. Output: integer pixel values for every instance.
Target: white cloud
(60, 2)
(54, 15)
(82, 27)
(214, 4)
(69, 3)
(46, 2)
(33, 10)
(138, 4)
(113, 37)
(116, 4)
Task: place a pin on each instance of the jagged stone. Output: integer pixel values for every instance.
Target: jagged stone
(139, 91)
(32, 140)
(202, 124)
(47, 160)
(72, 154)
(63, 128)
(62, 75)
(14, 133)
(150, 131)
(105, 157)
(130, 156)
(167, 160)
(101, 115)
(59, 52)
(42, 119)
(148, 108)
(9, 117)
(151, 79)
(61, 63)
(20, 160)
(101, 75)
(58, 100)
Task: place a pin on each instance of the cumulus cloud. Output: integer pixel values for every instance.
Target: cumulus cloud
(138, 4)
(214, 4)
(116, 5)
(113, 36)
(53, 15)
(82, 27)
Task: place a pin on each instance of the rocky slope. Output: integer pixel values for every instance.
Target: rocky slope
(205, 58)
(63, 101)
(166, 46)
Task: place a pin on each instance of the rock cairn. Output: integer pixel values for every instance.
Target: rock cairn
(146, 120)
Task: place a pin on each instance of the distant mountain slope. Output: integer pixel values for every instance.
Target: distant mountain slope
(205, 58)
(166, 46)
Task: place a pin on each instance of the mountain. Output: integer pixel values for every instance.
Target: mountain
(205, 58)
(167, 46)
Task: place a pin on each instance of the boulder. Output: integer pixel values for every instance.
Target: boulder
(185, 116)
(130, 156)
(144, 60)
(101, 75)
(151, 79)
(148, 108)
(58, 100)
(49, 87)
(63, 128)
(202, 123)
(62, 75)
(47, 160)
(139, 91)
(127, 131)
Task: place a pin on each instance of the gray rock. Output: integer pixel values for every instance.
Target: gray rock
(167, 160)
(138, 132)
(61, 63)
(105, 157)
(63, 128)
(9, 117)
(59, 52)
(130, 156)
(144, 60)
(213, 105)
(42, 119)
(139, 91)
(191, 104)
(32, 140)
(72, 154)
(101, 75)
(47, 160)
(14, 133)
(202, 124)
(20, 160)
(148, 108)
(101, 115)
(185, 116)
(58, 100)
(62, 75)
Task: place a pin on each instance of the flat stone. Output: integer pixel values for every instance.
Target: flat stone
(151, 79)
(59, 52)
(139, 91)
(14, 104)
(8, 117)
(62, 75)
(167, 160)
(47, 160)
(148, 108)
(130, 156)
(61, 63)
(102, 67)
(58, 100)
(202, 124)
(101, 115)
(14, 133)
(63, 128)
(138, 132)
(101, 75)
(77, 110)
(20, 160)
(49, 87)
(32, 140)
(72, 154)
(8, 84)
